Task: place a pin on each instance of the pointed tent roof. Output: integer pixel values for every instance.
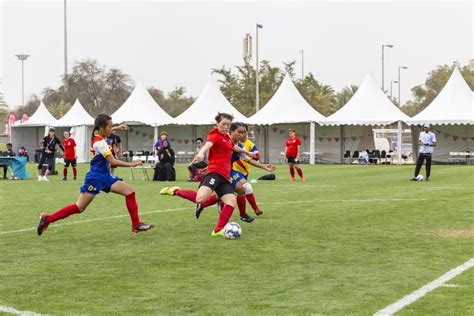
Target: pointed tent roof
(204, 109)
(368, 106)
(76, 116)
(41, 117)
(141, 108)
(453, 105)
(286, 106)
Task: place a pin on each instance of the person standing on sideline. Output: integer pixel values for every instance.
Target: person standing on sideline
(292, 153)
(98, 178)
(115, 144)
(47, 154)
(70, 155)
(194, 167)
(8, 153)
(427, 142)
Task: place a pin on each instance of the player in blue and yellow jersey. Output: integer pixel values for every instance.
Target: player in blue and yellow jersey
(240, 170)
(99, 179)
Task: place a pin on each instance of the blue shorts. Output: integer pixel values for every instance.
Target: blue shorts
(235, 177)
(96, 182)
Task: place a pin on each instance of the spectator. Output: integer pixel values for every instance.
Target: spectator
(364, 157)
(115, 144)
(70, 155)
(8, 153)
(159, 142)
(164, 170)
(194, 167)
(23, 153)
(47, 154)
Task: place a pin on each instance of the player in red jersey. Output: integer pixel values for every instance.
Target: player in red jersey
(99, 179)
(70, 155)
(292, 153)
(220, 147)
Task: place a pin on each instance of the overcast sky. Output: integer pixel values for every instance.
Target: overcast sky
(165, 44)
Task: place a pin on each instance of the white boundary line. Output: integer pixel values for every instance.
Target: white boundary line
(263, 203)
(412, 297)
(11, 310)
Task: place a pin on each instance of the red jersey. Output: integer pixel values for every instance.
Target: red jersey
(69, 145)
(220, 154)
(292, 146)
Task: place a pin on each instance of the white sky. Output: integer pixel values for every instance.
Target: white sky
(165, 44)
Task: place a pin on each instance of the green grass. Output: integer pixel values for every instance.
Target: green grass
(350, 240)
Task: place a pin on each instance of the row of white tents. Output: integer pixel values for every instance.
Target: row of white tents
(327, 138)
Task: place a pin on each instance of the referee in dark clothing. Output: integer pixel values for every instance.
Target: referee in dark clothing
(47, 155)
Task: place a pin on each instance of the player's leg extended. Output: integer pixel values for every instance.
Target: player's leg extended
(251, 197)
(229, 201)
(419, 163)
(292, 171)
(84, 200)
(299, 171)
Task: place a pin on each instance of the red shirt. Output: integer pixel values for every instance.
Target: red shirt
(292, 146)
(220, 154)
(69, 145)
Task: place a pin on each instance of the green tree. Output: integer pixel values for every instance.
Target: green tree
(58, 109)
(343, 96)
(320, 96)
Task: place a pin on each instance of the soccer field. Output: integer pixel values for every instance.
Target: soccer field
(350, 240)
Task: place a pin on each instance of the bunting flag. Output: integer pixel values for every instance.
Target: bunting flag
(455, 138)
(438, 131)
(282, 131)
(472, 138)
(179, 141)
(144, 134)
(329, 139)
(130, 130)
(137, 133)
(305, 136)
(186, 141)
(321, 139)
(446, 135)
(464, 138)
(336, 139)
(354, 138)
(275, 130)
(150, 137)
(344, 138)
(172, 139)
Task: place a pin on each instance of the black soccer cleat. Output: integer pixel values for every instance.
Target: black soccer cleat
(42, 225)
(142, 227)
(198, 210)
(247, 218)
(414, 179)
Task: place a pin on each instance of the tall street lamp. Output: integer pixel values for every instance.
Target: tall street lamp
(399, 84)
(383, 78)
(257, 103)
(302, 64)
(391, 82)
(65, 41)
(22, 57)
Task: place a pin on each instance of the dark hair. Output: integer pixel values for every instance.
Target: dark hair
(221, 116)
(236, 125)
(199, 139)
(101, 120)
(9, 144)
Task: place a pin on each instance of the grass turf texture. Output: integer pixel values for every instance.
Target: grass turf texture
(351, 239)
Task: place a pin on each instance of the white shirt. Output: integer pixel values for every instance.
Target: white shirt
(427, 138)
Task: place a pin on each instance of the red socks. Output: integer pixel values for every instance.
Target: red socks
(65, 172)
(300, 172)
(241, 204)
(210, 201)
(74, 172)
(62, 213)
(251, 199)
(132, 208)
(187, 194)
(224, 217)
(292, 172)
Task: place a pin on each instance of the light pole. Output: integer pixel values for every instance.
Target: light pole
(391, 82)
(302, 64)
(399, 84)
(383, 78)
(257, 103)
(22, 57)
(65, 42)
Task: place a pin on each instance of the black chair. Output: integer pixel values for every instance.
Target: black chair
(347, 156)
(376, 155)
(355, 155)
(383, 155)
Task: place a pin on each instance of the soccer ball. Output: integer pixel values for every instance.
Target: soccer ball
(420, 178)
(232, 230)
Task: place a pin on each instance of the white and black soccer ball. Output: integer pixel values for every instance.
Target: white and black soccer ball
(232, 230)
(420, 177)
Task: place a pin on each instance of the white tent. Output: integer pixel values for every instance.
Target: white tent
(368, 106)
(451, 115)
(204, 109)
(286, 106)
(140, 109)
(30, 133)
(81, 124)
